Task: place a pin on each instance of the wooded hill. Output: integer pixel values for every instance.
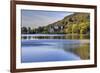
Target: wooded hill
(77, 23)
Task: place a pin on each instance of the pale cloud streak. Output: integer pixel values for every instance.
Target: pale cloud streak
(36, 18)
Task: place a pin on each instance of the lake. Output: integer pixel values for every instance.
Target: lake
(54, 47)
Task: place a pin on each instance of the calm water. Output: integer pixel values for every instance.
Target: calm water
(58, 47)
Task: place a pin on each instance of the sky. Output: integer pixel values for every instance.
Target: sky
(36, 18)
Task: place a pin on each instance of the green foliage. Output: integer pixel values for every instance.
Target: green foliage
(84, 27)
(69, 29)
(77, 23)
(75, 28)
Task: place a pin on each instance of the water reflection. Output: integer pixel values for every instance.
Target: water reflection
(48, 36)
(58, 47)
(81, 50)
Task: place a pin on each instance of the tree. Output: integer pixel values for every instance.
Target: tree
(75, 28)
(29, 30)
(24, 30)
(84, 27)
(68, 29)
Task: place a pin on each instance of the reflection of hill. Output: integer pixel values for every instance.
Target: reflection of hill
(81, 50)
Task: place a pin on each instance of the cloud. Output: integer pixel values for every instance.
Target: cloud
(36, 18)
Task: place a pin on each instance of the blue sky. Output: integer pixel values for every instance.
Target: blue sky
(36, 18)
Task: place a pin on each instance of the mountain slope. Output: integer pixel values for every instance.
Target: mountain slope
(75, 23)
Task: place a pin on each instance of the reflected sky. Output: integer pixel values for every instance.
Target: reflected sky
(54, 50)
(60, 48)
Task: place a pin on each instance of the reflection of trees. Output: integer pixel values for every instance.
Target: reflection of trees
(82, 50)
(24, 37)
(76, 36)
(65, 36)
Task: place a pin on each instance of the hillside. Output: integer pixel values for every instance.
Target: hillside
(77, 23)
